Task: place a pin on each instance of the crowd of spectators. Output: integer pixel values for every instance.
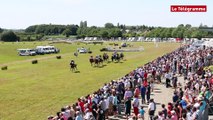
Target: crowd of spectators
(189, 102)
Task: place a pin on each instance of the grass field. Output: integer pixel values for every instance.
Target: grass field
(35, 91)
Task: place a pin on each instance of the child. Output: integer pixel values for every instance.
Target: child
(141, 111)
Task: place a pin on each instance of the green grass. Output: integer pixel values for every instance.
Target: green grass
(35, 91)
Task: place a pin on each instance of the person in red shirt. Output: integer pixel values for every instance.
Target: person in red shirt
(170, 107)
(145, 75)
(137, 91)
(81, 104)
(145, 83)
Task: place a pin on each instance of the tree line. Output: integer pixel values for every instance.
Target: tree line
(52, 29)
(37, 32)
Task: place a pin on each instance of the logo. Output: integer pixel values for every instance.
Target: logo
(188, 8)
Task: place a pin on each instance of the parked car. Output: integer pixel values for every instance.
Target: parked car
(82, 50)
(26, 52)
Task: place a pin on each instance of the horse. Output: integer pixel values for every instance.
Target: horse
(91, 60)
(121, 56)
(105, 57)
(73, 66)
(115, 57)
(98, 60)
(101, 60)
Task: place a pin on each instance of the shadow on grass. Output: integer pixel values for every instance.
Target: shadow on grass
(108, 62)
(118, 62)
(77, 71)
(100, 66)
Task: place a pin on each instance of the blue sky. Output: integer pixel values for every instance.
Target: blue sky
(16, 14)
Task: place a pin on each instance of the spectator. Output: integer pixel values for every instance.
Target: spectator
(141, 111)
(135, 105)
(174, 115)
(127, 99)
(143, 93)
(151, 109)
(164, 111)
(115, 104)
(100, 113)
(148, 93)
(175, 97)
(78, 116)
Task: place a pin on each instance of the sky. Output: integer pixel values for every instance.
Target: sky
(19, 14)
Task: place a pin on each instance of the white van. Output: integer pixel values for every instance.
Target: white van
(52, 49)
(41, 50)
(46, 49)
(26, 52)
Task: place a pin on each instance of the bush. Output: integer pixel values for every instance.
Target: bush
(4, 68)
(58, 57)
(9, 36)
(34, 61)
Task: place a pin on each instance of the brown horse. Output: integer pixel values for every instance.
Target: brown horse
(105, 57)
(91, 60)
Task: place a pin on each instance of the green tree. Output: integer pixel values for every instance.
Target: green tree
(73, 29)
(67, 32)
(31, 29)
(104, 34)
(28, 38)
(109, 25)
(9, 36)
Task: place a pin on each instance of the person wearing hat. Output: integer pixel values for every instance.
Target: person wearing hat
(50, 117)
(174, 115)
(88, 115)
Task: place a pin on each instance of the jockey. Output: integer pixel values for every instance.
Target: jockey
(97, 57)
(72, 62)
(100, 56)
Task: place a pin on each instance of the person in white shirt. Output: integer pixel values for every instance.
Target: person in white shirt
(151, 109)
